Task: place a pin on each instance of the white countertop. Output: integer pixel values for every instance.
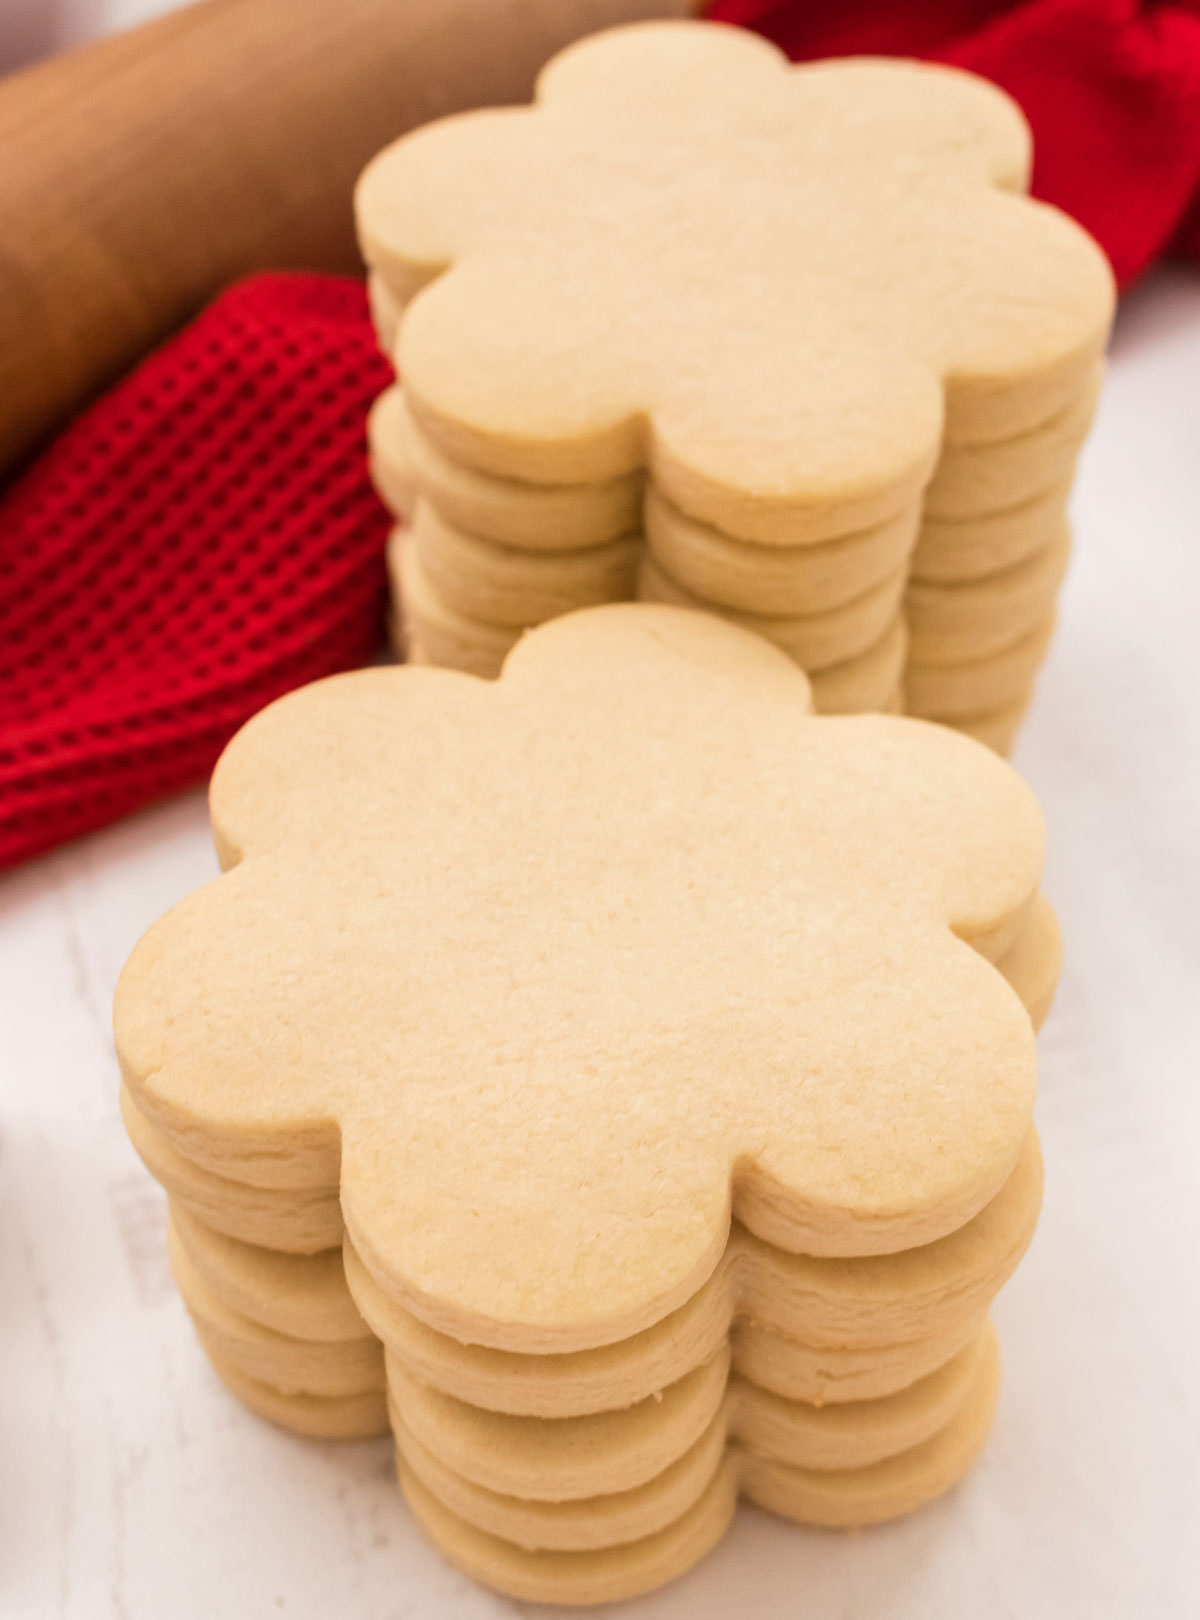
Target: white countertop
(133, 1486)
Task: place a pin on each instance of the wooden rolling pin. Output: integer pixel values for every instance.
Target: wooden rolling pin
(140, 175)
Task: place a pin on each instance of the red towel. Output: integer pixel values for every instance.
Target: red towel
(198, 542)
(1111, 88)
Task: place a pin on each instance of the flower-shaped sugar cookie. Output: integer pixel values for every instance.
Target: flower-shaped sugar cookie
(570, 967)
(773, 287)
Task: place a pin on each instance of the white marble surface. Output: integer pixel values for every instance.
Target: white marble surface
(132, 1486)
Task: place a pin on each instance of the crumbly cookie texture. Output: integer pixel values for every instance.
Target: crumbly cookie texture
(778, 288)
(563, 969)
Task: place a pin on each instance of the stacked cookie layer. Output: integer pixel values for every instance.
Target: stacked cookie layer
(480, 559)
(660, 1056)
(990, 557)
(782, 343)
(260, 1270)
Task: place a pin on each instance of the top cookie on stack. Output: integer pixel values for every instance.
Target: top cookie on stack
(744, 310)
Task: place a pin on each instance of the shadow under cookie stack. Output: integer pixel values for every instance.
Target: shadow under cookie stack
(896, 522)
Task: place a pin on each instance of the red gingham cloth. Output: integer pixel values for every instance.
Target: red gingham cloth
(198, 542)
(1111, 88)
(205, 537)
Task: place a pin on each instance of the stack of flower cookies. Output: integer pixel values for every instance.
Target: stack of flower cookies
(659, 1054)
(788, 344)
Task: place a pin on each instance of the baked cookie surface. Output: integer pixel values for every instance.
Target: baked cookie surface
(560, 972)
(777, 288)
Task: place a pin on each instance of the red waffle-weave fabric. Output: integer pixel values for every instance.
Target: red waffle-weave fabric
(1111, 88)
(201, 540)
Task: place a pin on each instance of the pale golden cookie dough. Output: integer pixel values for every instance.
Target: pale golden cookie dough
(341, 1417)
(588, 360)
(301, 1295)
(1033, 964)
(306, 1297)
(386, 311)
(775, 579)
(500, 585)
(869, 681)
(805, 1321)
(679, 708)
(531, 517)
(431, 631)
(980, 685)
(562, 1459)
(298, 1221)
(588, 1525)
(952, 552)
(828, 1375)
(600, 242)
(645, 882)
(975, 479)
(231, 1200)
(407, 646)
(998, 730)
(816, 640)
(388, 461)
(573, 1459)
(620, 1375)
(831, 1498)
(436, 633)
(324, 1367)
(844, 1499)
(762, 1426)
(607, 1575)
(973, 620)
